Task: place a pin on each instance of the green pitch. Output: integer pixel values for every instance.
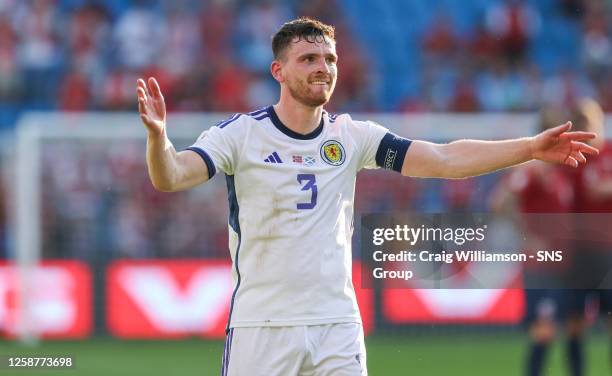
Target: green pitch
(456, 355)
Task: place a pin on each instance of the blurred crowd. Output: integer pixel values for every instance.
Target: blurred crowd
(98, 203)
(208, 55)
(514, 55)
(214, 55)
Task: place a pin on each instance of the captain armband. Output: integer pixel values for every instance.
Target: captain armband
(392, 151)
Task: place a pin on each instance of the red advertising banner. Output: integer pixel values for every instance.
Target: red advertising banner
(60, 300)
(168, 299)
(453, 306)
(179, 298)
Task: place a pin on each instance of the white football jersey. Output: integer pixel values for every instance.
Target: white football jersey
(291, 214)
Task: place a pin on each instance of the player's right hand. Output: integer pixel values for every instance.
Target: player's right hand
(151, 106)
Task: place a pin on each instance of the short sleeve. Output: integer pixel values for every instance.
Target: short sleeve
(217, 147)
(370, 134)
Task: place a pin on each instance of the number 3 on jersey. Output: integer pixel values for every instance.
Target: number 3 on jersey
(310, 184)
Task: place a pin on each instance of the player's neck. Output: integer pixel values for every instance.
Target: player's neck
(297, 117)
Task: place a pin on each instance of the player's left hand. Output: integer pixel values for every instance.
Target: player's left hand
(559, 145)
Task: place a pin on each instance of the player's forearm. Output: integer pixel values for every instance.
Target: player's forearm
(465, 158)
(161, 162)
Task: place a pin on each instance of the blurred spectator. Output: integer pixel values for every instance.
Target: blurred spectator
(229, 84)
(74, 93)
(440, 42)
(257, 22)
(465, 99)
(483, 46)
(596, 43)
(88, 40)
(439, 85)
(565, 88)
(492, 87)
(216, 31)
(38, 25)
(139, 35)
(513, 23)
(181, 49)
(464, 95)
(532, 81)
(11, 80)
(118, 90)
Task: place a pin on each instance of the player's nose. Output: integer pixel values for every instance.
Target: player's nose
(323, 67)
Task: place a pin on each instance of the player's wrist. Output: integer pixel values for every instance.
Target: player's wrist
(532, 148)
(157, 135)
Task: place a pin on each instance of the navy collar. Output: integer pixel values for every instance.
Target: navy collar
(283, 128)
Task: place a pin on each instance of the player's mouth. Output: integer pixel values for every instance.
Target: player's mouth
(319, 83)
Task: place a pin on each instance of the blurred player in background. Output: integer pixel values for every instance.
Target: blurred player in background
(540, 188)
(290, 171)
(593, 194)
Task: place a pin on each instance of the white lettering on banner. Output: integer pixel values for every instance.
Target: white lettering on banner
(196, 307)
(456, 303)
(53, 307)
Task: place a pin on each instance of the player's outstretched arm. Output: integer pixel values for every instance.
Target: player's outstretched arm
(169, 171)
(465, 158)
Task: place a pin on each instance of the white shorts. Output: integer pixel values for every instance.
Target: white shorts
(314, 350)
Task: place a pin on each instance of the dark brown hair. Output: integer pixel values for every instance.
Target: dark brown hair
(303, 28)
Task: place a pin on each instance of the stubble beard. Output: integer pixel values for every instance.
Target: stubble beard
(302, 93)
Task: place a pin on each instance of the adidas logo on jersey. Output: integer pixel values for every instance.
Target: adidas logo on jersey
(273, 158)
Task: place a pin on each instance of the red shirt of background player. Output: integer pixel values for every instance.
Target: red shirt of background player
(592, 230)
(596, 173)
(542, 189)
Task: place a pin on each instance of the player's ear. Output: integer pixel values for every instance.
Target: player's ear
(277, 71)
